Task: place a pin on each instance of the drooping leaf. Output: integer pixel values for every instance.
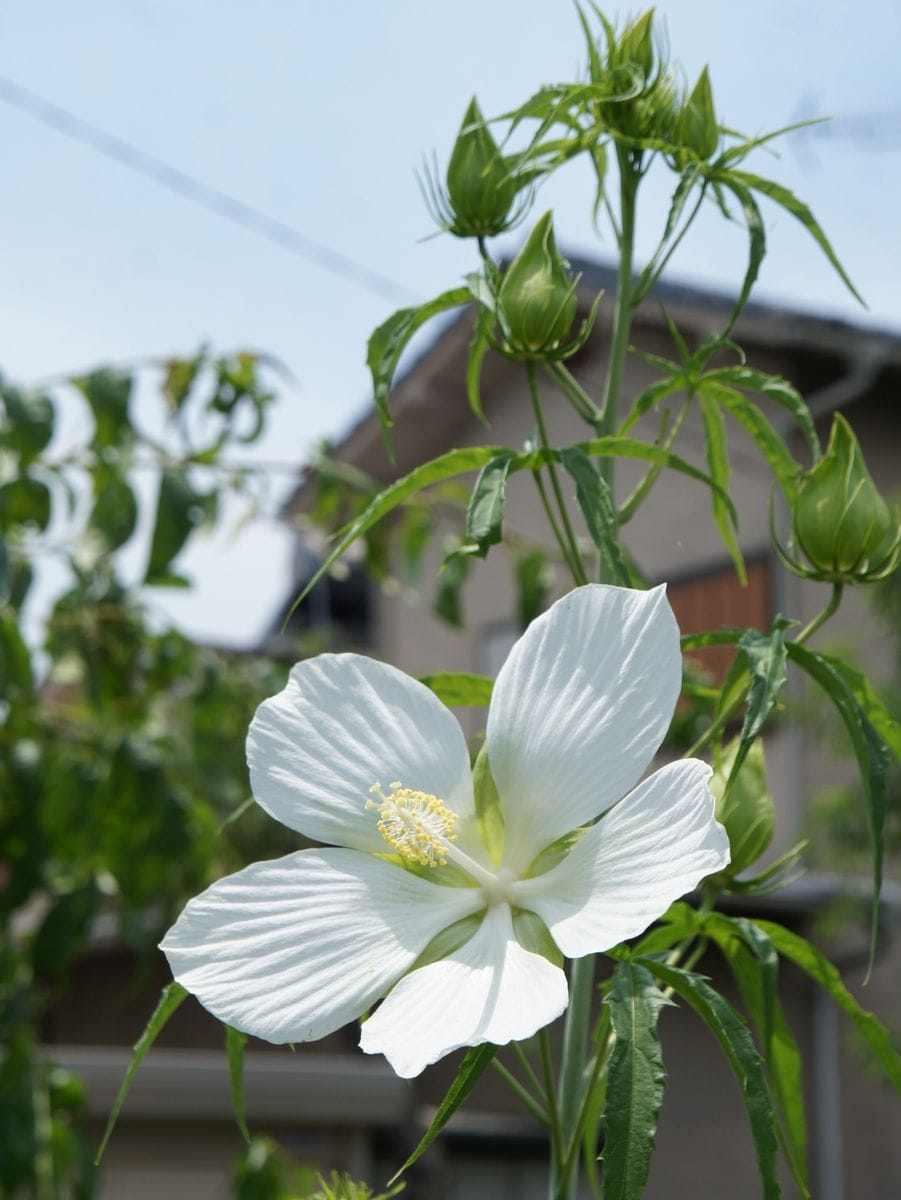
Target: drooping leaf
(775, 388)
(28, 424)
(460, 688)
(478, 348)
(473, 1067)
(170, 998)
(635, 1081)
(815, 964)
(736, 1042)
(485, 511)
(869, 749)
(756, 242)
(721, 472)
(180, 509)
(235, 1041)
(596, 503)
(388, 342)
(771, 445)
(790, 202)
(872, 706)
(446, 466)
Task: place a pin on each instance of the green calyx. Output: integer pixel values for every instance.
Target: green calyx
(842, 524)
(744, 804)
(536, 299)
(482, 185)
(696, 127)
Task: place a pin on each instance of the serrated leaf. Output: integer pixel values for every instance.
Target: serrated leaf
(773, 448)
(473, 1067)
(460, 688)
(721, 473)
(235, 1041)
(596, 504)
(736, 1042)
(170, 998)
(485, 511)
(390, 339)
(765, 655)
(753, 961)
(815, 964)
(869, 749)
(790, 202)
(636, 1080)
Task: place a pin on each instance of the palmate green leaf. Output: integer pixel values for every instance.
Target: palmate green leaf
(460, 688)
(388, 342)
(235, 1041)
(790, 202)
(180, 509)
(485, 511)
(738, 1046)
(649, 398)
(170, 998)
(775, 388)
(756, 242)
(473, 1067)
(871, 753)
(635, 1081)
(815, 964)
(721, 472)
(773, 448)
(596, 503)
(753, 961)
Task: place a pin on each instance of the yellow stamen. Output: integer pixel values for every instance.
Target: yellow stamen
(417, 825)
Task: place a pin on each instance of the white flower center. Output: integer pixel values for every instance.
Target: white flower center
(419, 826)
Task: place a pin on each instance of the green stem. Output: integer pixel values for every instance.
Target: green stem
(575, 558)
(552, 521)
(573, 391)
(821, 618)
(553, 1113)
(521, 1092)
(527, 1067)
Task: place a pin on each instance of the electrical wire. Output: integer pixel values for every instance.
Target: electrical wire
(126, 154)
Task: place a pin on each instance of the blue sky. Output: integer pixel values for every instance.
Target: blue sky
(317, 115)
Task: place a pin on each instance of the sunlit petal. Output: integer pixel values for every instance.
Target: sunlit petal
(342, 724)
(579, 709)
(490, 990)
(649, 850)
(291, 950)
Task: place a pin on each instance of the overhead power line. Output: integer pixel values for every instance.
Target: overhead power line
(175, 180)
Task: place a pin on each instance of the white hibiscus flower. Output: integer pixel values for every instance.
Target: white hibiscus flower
(355, 754)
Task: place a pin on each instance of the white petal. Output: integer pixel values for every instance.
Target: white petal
(649, 850)
(579, 709)
(292, 949)
(342, 724)
(490, 990)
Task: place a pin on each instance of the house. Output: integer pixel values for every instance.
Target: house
(329, 1104)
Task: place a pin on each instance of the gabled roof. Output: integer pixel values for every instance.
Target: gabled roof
(832, 350)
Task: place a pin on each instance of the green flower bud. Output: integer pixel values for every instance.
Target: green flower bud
(746, 810)
(696, 124)
(536, 301)
(842, 523)
(481, 187)
(635, 45)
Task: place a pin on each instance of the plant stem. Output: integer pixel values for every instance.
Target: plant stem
(823, 617)
(572, 1098)
(521, 1092)
(553, 1113)
(575, 558)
